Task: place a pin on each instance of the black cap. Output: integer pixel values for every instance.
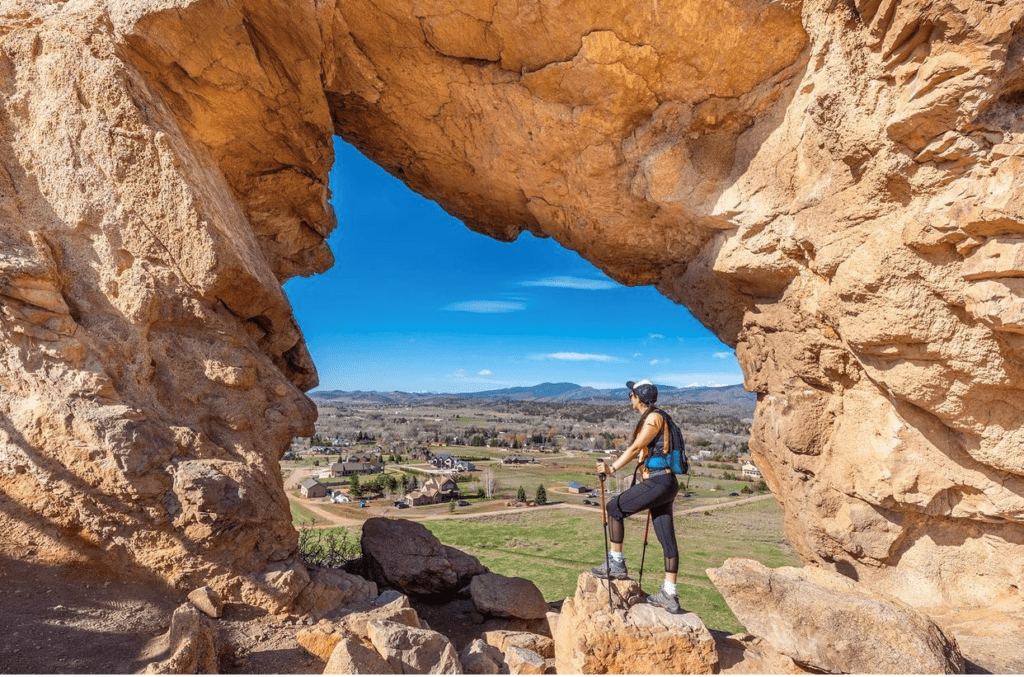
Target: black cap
(645, 391)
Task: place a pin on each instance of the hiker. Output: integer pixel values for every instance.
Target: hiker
(656, 493)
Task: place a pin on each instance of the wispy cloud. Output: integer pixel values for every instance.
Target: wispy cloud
(637, 354)
(654, 362)
(656, 336)
(566, 282)
(576, 357)
(486, 306)
(723, 355)
(484, 372)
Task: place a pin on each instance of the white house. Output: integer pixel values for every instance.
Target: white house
(750, 470)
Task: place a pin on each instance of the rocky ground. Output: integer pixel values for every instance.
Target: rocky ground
(76, 619)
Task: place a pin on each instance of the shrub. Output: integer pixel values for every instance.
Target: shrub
(328, 547)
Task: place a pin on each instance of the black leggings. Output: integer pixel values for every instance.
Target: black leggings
(656, 494)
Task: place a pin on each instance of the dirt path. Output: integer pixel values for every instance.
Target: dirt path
(330, 519)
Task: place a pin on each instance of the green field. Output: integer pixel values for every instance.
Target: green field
(551, 548)
(300, 515)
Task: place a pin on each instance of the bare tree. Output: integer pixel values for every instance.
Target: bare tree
(490, 482)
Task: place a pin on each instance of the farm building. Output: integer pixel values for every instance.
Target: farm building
(312, 489)
(577, 488)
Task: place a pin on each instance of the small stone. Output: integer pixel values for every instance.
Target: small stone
(207, 600)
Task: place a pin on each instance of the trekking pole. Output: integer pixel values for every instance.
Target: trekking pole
(643, 556)
(604, 519)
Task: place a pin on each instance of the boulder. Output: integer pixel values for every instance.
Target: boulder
(412, 650)
(504, 596)
(321, 639)
(207, 600)
(630, 638)
(479, 658)
(188, 643)
(405, 555)
(351, 657)
(396, 611)
(831, 623)
(329, 589)
(744, 654)
(502, 640)
(522, 661)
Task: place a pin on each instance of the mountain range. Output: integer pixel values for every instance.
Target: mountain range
(733, 396)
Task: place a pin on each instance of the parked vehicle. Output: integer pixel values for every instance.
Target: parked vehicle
(463, 503)
(734, 494)
(401, 505)
(587, 502)
(687, 495)
(362, 504)
(591, 495)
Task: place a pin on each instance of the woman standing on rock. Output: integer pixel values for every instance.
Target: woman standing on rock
(656, 492)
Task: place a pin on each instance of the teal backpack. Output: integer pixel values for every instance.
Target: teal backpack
(676, 456)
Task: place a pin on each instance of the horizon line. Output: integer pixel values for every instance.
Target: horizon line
(491, 390)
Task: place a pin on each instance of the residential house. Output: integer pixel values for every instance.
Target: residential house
(577, 488)
(356, 468)
(312, 489)
(750, 470)
(516, 460)
(439, 489)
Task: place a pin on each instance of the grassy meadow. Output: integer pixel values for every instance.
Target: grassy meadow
(553, 547)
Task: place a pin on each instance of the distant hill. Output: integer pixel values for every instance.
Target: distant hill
(733, 397)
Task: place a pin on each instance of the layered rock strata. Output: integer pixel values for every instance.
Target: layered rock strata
(831, 187)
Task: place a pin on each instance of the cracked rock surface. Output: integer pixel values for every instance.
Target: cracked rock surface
(831, 187)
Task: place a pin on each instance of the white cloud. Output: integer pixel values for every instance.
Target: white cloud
(484, 372)
(637, 354)
(656, 336)
(576, 357)
(486, 306)
(565, 282)
(723, 355)
(654, 362)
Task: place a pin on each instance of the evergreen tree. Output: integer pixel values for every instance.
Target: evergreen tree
(542, 495)
(521, 494)
(451, 505)
(354, 488)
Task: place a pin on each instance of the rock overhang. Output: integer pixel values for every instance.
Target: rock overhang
(830, 188)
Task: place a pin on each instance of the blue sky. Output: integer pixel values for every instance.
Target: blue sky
(418, 302)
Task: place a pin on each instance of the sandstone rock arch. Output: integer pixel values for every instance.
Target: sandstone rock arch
(830, 186)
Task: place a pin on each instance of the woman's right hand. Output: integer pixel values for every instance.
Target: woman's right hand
(603, 469)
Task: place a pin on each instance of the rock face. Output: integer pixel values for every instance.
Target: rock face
(830, 623)
(629, 639)
(832, 188)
